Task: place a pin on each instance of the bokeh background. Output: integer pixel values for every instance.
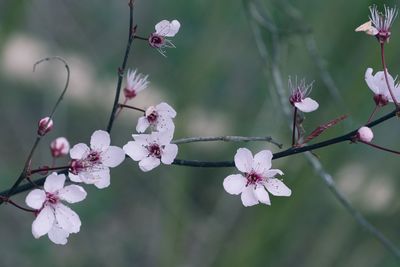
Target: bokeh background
(219, 85)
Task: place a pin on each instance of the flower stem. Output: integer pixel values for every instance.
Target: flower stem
(380, 147)
(49, 169)
(131, 107)
(294, 126)
(373, 113)
(7, 200)
(386, 76)
(141, 38)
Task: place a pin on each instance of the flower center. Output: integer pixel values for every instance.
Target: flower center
(152, 118)
(156, 41)
(93, 157)
(154, 150)
(129, 93)
(51, 198)
(381, 100)
(253, 178)
(296, 96)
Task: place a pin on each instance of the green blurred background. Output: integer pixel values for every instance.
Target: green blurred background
(219, 85)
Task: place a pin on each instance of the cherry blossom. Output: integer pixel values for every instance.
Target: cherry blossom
(134, 84)
(379, 24)
(365, 134)
(59, 147)
(45, 125)
(158, 117)
(378, 85)
(53, 217)
(152, 149)
(257, 178)
(164, 29)
(91, 165)
(298, 97)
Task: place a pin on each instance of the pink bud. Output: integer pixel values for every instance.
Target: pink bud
(59, 147)
(365, 134)
(45, 126)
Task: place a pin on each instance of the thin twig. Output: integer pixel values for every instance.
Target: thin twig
(226, 139)
(386, 76)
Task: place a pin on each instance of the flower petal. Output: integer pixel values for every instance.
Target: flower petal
(307, 105)
(277, 187)
(272, 173)
(165, 110)
(248, 196)
(243, 160)
(262, 161)
(67, 219)
(262, 195)
(54, 182)
(164, 137)
(142, 125)
(35, 198)
(100, 140)
(112, 156)
(57, 235)
(168, 29)
(148, 163)
(135, 150)
(104, 180)
(72, 193)
(79, 151)
(234, 184)
(75, 178)
(165, 124)
(370, 80)
(169, 153)
(43, 222)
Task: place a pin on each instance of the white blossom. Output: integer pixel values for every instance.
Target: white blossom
(299, 96)
(164, 29)
(134, 84)
(158, 117)
(53, 217)
(365, 134)
(152, 149)
(377, 83)
(257, 178)
(91, 165)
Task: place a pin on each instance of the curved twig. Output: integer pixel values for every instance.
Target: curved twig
(228, 138)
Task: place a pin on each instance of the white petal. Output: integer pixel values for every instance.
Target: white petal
(277, 187)
(234, 184)
(57, 235)
(112, 156)
(142, 124)
(100, 140)
(74, 178)
(248, 196)
(148, 163)
(35, 198)
(67, 219)
(169, 153)
(103, 182)
(262, 195)
(135, 150)
(43, 222)
(165, 110)
(370, 80)
(262, 161)
(243, 160)
(166, 28)
(99, 177)
(79, 151)
(54, 182)
(165, 124)
(272, 173)
(72, 193)
(163, 138)
(307, 105)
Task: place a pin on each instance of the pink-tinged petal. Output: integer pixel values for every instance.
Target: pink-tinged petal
(112, 156)
(142, 125)
(277, 187)
(165, 110)
(262, 195)
(72, 193)
(380, 83)
(243, 160)
(54, 182)
(272, 173)
(169, 153)
(35, 198)
(262, 161)
(58, 236)
(163, 138)
(79, 151)
(165, 124)
(100, 140)
(67, 219)
(100, 177)
(166, 28)
(370, 80)
(43, 222)
(149, 163)
(135, 150)
(307, 105)
(74, 178)
(234, 184)
(104, 182)
(248, 197)
(142, 139)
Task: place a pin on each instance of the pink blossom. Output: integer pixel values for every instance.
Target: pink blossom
(257, 178)
(299, 96)
(59, 147)
(377, 83)
(164, 29)
(158, 117)
(53, 217)
(135, 83)
(365, 134)
(45, 125)
(91, 165)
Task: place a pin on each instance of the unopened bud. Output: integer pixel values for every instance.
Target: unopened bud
(59, 147)
(45, 126)
(365, 134)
